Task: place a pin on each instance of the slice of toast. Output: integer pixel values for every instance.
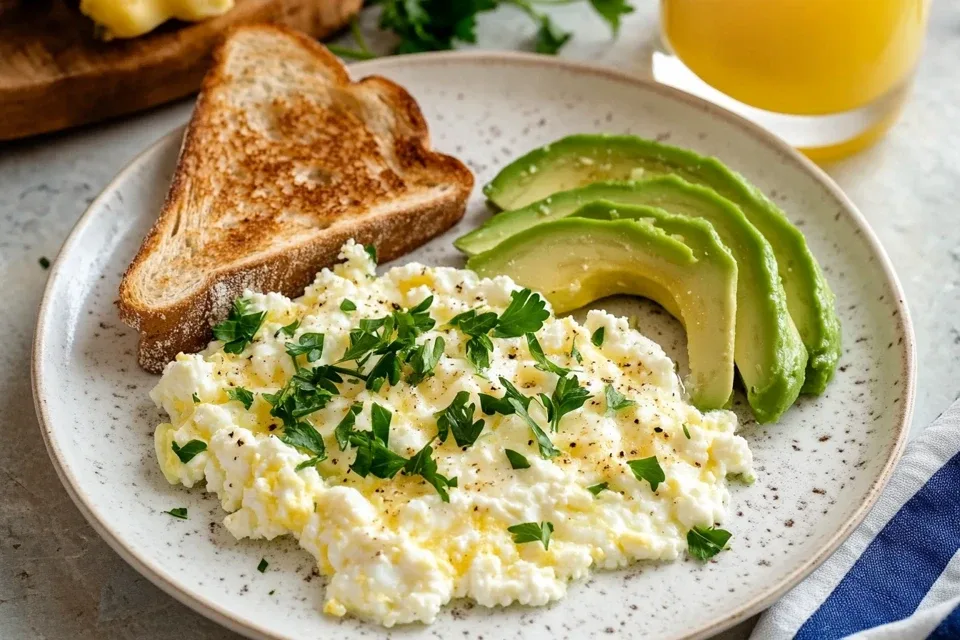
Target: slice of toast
(284, 159)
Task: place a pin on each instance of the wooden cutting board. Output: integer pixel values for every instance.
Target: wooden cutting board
(54, 74)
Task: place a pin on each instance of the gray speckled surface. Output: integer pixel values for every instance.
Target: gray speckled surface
(58, 580)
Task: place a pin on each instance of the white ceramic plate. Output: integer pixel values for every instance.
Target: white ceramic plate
(819, 470)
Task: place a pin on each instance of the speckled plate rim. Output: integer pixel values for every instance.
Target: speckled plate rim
(147, 567)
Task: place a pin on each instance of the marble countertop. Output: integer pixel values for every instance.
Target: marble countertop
(59, 580)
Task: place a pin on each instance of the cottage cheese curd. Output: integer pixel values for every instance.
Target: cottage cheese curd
(394, 551)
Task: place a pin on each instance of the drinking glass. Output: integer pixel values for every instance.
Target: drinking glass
(828, 76)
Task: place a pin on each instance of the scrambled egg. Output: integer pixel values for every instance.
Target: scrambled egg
(394, 551)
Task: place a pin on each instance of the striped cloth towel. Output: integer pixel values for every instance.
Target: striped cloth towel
(898, 575)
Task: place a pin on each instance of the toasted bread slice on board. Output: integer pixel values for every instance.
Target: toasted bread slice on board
(284, 159)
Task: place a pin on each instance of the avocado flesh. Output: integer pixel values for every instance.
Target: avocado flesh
(769, 353)
(579, 160)
(574, 261)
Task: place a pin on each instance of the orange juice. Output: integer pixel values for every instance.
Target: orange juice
(802, 57)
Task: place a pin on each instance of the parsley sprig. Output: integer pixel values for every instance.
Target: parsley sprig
(434, 25)
(524, 315)
(568, 396)
(648, 469)
(542, 362)
(240, 327)
(189, 451)
(514, 402)
(458, 418)
(532, 532)
(705, 542)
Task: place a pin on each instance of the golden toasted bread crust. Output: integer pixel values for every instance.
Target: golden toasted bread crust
(266, 206)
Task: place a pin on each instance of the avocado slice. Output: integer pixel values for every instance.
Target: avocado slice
(678, 262)
(769, 353)
(578, 160)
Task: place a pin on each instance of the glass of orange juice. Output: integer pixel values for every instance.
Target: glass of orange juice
(829, 76)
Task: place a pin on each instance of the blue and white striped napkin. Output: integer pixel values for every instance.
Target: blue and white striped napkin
(898, 575)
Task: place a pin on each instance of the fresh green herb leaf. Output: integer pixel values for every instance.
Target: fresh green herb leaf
(547, 450)
(550, 38)
(615, 400)
(542, 363)
(686, 432)
(705, 542)
(597, 488)
(423, 360)
(388, 368)
(380, 419)
(373, 456)
(597, 337)
(458, 418)
(478, 352)
(309, 390)
(303, 436)
(271, 592)
(517, 460)
(196, 399)
(371, 250)
(189, 451)
(424, 465)
(525, 314)
(347, 306)
(611, 11)
(44, 262)
(472, 323)
(263, 565)
(361, 344)
(240, 327)
(310, 344)
(345, 427)
(179, 512)
(532, 532)
(288, 330)
(568, 396)
(241, 395)
(575, 353)
(648, 469)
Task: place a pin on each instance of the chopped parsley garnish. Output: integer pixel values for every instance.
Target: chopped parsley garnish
(532, 532)
(473, 323)
(309, 390)
(310, 344)
(423, 360)
(597, 337)
(263, 565)
(189, 451)
(517, 460)
(575, 353)
(597, 488)
(345, 427)
(196, 398)
(705, 542)
(686, 432)
(542, 362)
(44, 262)
(615, 400)
(347, 306)
(241, 395)
(525, 314)
(240, 327)
(288, 330)
(514, 402)
(458, 418)
(380, 422)
(302, 436)
(648, 469)
(179, 512)
(375, 336)
(424, 465)
(568, 396)
(372, 252)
